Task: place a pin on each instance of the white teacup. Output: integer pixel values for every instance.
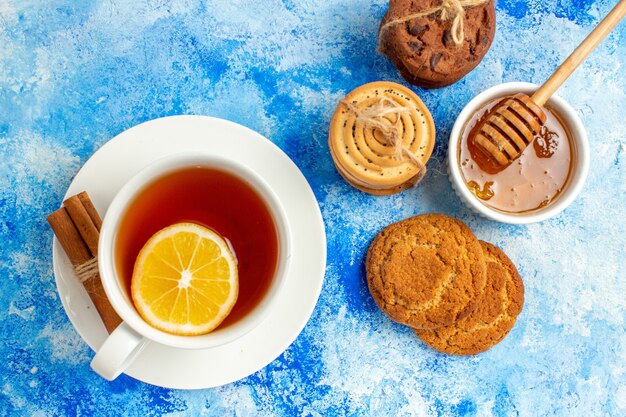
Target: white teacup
(122, 346)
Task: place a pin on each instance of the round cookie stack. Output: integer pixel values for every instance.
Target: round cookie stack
(381, 136)
(434, 43)
(459, 294)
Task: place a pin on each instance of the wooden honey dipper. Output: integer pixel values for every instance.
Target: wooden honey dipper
(516, 121)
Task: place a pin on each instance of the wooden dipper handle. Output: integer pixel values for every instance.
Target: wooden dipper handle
(580, 53)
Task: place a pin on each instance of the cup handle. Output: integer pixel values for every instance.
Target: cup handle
(118, 352)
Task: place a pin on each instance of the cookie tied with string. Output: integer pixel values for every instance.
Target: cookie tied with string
(381, 137)
(434, 43)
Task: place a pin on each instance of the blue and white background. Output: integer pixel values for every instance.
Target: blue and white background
(73, 74)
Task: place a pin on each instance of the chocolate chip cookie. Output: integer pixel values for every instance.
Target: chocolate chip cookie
(424, 48)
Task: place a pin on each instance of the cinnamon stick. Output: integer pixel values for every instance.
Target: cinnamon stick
(69, 237)
(96, 292)
(75, 226)
(93, 213)
(84, 223)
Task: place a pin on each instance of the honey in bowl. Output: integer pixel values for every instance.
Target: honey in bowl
(217, 200)
(530, 182)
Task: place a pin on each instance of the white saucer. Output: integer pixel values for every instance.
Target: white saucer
(118, 160)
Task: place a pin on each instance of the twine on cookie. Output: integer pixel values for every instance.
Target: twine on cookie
(448, 9)
(87, 270)
(374, 117)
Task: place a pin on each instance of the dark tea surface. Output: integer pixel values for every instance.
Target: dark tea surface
(215, 199)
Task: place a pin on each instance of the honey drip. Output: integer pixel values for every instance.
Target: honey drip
(545, 143)
(485, 193)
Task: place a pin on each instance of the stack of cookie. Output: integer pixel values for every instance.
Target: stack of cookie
(381, 137)
(460, 295)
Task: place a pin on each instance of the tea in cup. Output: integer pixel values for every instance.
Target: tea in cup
(220, 196)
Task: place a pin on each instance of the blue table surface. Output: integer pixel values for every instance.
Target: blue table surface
(75, 74)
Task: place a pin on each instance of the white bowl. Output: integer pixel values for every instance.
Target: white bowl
(580, 148)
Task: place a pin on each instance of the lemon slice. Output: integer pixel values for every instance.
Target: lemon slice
(185, 280)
